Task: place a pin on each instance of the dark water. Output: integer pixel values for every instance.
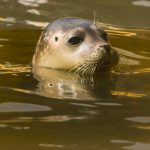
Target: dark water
(53, 109)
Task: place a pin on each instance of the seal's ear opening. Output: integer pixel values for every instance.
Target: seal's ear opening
(56, 39)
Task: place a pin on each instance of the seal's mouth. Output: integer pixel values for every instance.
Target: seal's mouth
(102, 59)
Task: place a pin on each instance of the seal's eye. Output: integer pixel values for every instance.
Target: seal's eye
(75, 41)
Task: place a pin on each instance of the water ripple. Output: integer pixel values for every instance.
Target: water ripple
(8, 68)
(138, 146)
(145, 3)
(139, 119)
(83, 105)
(51, 145)
(36, 23)
(32, 3)
(108, 104)
(8, 19)
(53, 118)
(33, 11)
(22, 107)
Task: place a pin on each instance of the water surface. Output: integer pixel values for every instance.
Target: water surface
(53, 109)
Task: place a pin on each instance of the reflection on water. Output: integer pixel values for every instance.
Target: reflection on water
(55, 118)
(33, 11)
(138, 146)
(60, 84)
(37, 24)
(51, 109)
(8, 19)
(8, 68)
(140, 119)
(21, 107)
(145, 3)
(32, 3)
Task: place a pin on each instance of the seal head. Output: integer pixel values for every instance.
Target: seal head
(75, 44)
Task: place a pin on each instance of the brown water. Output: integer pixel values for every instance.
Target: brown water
(55, 110)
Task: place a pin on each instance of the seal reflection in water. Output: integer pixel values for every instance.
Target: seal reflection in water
(60, 84)
(77, 45)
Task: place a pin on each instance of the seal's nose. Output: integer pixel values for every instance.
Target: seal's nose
(107, 48)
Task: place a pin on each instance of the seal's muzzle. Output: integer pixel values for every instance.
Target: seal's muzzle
(102, 59)
(108, 59)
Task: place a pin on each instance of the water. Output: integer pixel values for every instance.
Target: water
(53, 109)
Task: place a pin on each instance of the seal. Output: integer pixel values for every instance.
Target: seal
(75, 44)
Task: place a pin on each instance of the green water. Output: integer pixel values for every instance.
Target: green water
(52, 110)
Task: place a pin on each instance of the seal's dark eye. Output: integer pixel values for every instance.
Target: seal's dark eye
(75, 41)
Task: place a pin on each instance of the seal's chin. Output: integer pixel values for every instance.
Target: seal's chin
(102, 59)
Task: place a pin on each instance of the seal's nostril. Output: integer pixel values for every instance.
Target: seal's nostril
(107, 48)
